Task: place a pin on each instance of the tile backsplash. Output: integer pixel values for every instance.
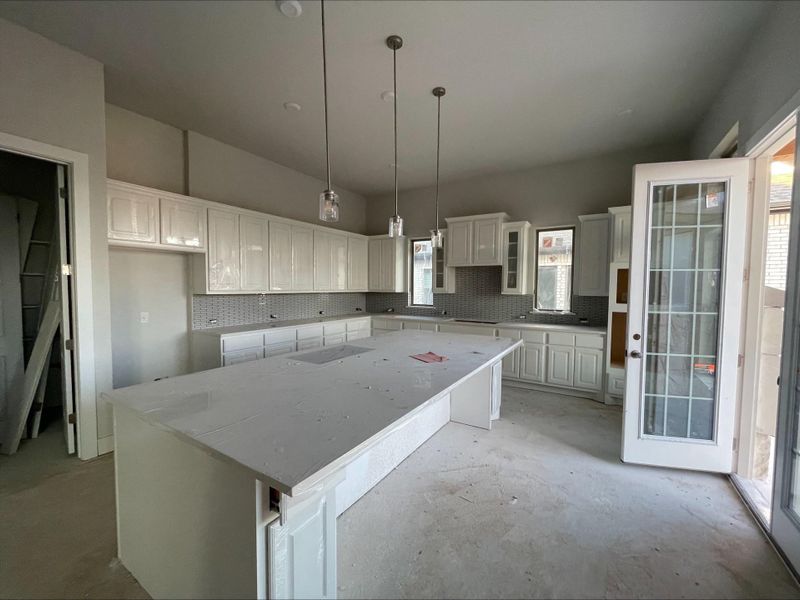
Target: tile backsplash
(478, 296)
(243, 309)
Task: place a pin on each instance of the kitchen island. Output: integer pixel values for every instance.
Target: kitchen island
(229, 481)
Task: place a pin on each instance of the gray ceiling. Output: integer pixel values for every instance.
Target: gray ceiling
(528, 83)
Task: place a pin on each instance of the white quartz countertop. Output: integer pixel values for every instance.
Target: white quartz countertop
(517, 323)
(285, 420)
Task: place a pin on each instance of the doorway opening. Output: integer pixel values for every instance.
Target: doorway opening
(772, 204)
(36, 387)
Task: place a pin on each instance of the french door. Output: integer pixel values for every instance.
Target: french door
(685, 306)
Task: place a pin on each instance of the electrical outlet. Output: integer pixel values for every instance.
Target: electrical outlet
(144, 317)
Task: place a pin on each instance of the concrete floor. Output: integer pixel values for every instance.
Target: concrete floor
(538, 507)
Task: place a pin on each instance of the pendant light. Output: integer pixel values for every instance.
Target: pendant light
(328, 200)
(395, 42)
(436, 233)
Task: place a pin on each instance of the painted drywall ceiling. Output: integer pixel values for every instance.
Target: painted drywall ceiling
(528, 83)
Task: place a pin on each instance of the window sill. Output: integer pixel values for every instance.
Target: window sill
(422, 306)
(564, 313)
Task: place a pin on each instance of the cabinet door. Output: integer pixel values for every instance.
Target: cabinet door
(486, 245)
(511, 364)
(532, 365)
(388, 247)
(588, 369)
(375, 282)
(223, 251)
(182, 223)
(356, 264)
(132, 216)
(302, 258)
(323, 275)
(280, 256)
(459, 244)
(560, 363)
(254, 250)
(592, 275)
(339, 260)
(621, 235)
(233, 358)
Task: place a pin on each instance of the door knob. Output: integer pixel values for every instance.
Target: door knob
(635, 354)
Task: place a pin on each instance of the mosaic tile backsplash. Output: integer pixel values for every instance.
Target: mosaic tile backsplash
(478, 296)
(243, 309)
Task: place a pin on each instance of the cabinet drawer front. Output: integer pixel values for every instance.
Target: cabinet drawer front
(282, 348)
(585, 340)
(232, 358)
(389, 324)
(309, 343)
(561, 339)
(514, 334)
(280, 336)
(616, 384)
(334, 328)
(306, 333)
(532, 336)
(240, 342)
(361, 324)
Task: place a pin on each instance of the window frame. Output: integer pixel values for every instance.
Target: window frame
(411, 302)
(573, 228)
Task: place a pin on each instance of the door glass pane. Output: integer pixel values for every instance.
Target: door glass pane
(685, 267)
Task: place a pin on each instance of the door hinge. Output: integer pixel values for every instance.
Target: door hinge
(740, 362)
(71, 418)
(69, 345)
(66, 270)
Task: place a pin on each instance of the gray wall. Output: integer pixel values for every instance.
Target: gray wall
(156, 283)
(223, 173)
(546, 196)
(54, 95)
(767, 78)
(144, 151)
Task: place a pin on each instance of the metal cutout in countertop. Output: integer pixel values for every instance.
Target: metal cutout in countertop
(326, 355)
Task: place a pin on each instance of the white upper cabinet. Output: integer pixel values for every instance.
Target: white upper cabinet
(591, 278)
(323, 273)
(459, 243)
(132, 214)
(387, 264)
(302, 258)
(620, 234)
(280, 256)
(357, 264)
(444, 277)
(254, 251)
(339, 262)
(475, 240)
(183, 223)
(223, 251)
(515, 257)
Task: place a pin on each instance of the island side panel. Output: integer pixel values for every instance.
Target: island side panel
(188, 524)
(471, 400)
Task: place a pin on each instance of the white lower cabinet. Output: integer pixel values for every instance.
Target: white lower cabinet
(280, 348)
(588, 369)
(532, 364)
(560, 365)
(335, 340)
(232, 358)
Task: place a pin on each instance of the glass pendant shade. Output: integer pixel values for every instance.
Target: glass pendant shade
(436, 238)
(329, 206)
(396, 226)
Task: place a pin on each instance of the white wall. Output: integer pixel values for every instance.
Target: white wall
(144, 151)
(223, 173)
(546, 196)
(156, 283)
(51, 94)
(767, 78)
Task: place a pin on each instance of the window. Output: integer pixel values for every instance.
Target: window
(421, 273)
(554, 269)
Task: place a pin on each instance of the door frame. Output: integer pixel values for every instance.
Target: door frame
(80, 242)
(754, 294)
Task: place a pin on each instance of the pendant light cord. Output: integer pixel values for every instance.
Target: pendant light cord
(325, 95)
(394, 61)
(438, 142)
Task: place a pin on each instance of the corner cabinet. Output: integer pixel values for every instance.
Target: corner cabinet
(591, 278)
(444, 277)
(515, 257)
(476, 240)
(387, 264)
